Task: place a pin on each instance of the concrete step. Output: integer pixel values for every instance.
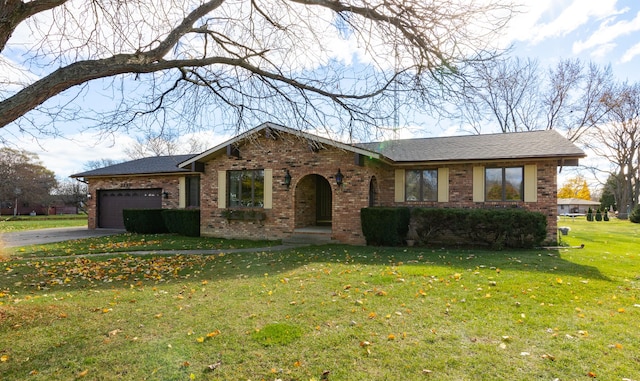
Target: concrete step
(309, 239)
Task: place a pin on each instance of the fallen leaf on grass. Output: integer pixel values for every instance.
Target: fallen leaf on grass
(214, 366)
(114, 332)
(549, 357)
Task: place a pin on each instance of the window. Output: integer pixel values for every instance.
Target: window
(421, 185)
(192, 191)
(246, 188)
(504, 184)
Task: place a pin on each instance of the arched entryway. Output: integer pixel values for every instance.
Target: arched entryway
(313, 202)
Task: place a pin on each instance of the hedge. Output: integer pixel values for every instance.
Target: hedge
(384, 226)
(182, 221)
(156, 221)
(496, 227)
(635, 215)
(144, 221)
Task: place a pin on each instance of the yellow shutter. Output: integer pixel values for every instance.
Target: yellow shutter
(268, 188)
(530, 183)
(478, 184)
(443, 184)
(222, 189)
(182, 193)
(399, 187)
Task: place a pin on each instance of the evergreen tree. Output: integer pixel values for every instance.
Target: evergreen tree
(635, 215)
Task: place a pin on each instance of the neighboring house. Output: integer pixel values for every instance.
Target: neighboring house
(274, 182)
(567, 206)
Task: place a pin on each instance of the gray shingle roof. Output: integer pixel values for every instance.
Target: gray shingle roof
(147, 165)
(532, 144)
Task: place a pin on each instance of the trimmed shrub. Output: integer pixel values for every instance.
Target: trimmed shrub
(144, 221)
(590, 214)
(498, 228)
(385, 226)
(598, 215)
(605, 216)
(182, 221)
(635, 215)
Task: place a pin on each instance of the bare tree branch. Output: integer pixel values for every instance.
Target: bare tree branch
(255, 59)
(14, 12)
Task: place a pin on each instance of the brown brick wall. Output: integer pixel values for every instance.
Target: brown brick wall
(295, 208)
(461, 191)
(294, 154)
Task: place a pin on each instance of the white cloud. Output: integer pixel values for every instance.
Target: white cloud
(574, 16)
(608, 32)
(542, 20)
(603, 51)
(631, 53)
(68, 155)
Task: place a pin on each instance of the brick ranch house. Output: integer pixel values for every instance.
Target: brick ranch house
(274, 182)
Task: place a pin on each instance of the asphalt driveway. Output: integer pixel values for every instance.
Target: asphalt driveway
(41, 236)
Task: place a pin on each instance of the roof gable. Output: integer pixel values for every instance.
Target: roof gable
(503, 146)
(270, 128)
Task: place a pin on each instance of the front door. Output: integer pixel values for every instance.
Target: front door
(323, 202)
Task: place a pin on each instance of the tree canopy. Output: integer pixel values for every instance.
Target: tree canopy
(575, 187)
(24, 178)
(302, 63)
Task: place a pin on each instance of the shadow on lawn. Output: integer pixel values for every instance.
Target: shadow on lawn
(122, 270)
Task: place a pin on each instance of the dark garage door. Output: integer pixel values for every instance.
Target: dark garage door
(112, 202)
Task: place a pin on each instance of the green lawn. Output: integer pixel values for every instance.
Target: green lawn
(359, 313)
(10, 223)
(128, 242)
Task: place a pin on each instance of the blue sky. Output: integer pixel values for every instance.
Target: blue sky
(602, 31)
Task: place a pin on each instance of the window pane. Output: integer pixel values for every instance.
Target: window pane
(513, 183)
(430, 185)
(412, 186)
(246, 188)
(493, 184)
(235, 178)
(193, 191)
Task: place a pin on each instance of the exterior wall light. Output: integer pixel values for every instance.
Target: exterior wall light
(339, 177)
(287, 179)
(165, 194)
